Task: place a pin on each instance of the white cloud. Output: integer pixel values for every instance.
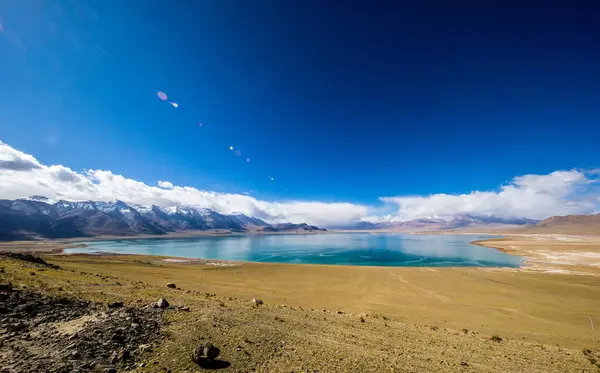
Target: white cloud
(15, 160)
(530, 196)
(165, 184)
(21, 175)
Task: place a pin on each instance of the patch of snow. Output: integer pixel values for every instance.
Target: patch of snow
(205, 212)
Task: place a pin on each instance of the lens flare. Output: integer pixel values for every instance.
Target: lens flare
(163, 96)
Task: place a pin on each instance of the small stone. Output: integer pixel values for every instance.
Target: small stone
(171, 285)
(145, 348)
(110, 370)
(142, 365)
(464, 364)
(162, 303)
(121, 355)
(257, 302)
(75, 354)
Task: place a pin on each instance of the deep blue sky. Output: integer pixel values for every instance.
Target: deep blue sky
(345, 101)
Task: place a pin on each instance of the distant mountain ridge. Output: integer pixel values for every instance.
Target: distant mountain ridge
(35, 217)
(571, 220)
(458, 222)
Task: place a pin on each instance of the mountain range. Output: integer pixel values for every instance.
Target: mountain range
(569, 224)
(458, 222)
(36, 217)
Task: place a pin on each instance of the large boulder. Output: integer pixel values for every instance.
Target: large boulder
(207, 350)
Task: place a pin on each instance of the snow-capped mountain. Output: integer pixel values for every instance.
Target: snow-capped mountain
(36, 217)
(247, 221)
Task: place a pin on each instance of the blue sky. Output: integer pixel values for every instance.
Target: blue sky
(339, 103)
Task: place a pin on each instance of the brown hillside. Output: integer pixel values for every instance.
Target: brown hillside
(593, 220)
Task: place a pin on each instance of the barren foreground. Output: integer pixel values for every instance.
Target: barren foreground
(332, 318)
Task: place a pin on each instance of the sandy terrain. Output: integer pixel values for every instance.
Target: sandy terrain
(552, 253)
(415, 319)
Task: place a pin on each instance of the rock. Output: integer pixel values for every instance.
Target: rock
(115, 305)
(110, 370)
(257, 302)
(464, 364)
(145, 348)
(162, 303)
(121, 355)
(17, 327)
(171, 285)
(205, 349)
(211, 351)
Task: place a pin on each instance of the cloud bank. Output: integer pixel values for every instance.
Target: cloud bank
(528, 196)
(21, 175)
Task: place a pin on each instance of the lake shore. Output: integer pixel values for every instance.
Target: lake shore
(551, 253)
(548, 252)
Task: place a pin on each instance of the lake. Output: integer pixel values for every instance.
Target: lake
(360, 249)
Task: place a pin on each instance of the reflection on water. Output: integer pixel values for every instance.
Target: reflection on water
(385, 249)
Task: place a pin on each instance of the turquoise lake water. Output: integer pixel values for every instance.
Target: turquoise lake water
(361, 249)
